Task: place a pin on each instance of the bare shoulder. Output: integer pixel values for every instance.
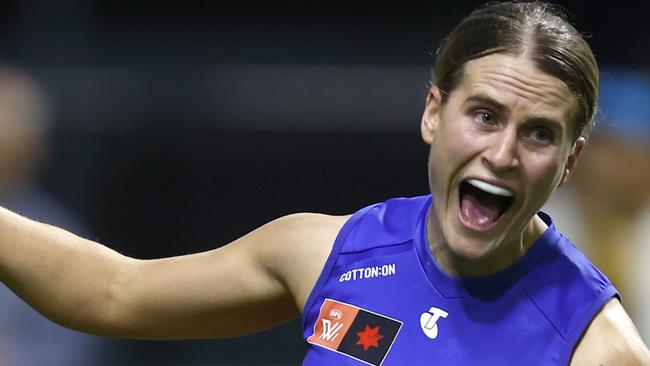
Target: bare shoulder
(611, 339)
(298, 258)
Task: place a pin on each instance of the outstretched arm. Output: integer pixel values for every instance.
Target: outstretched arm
(259, 280)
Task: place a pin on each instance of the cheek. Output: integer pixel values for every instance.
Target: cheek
(455, 142)
(544, 173)
(450, 150)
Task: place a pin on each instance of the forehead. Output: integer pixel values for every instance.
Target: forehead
(516, 82)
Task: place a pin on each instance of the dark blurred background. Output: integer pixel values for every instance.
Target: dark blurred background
(178, 126)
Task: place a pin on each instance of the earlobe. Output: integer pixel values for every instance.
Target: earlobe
(430, 116)
(565, 176)
(426, 128)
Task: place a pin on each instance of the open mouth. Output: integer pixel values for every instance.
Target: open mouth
(482, 204)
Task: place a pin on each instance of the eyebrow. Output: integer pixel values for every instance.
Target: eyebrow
(502, 108)
(484, 99)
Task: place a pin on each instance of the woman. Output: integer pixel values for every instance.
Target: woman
(468, 275)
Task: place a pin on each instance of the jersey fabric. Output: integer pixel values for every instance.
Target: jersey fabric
(381, 299)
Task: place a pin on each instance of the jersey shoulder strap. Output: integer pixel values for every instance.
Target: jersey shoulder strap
(569, 290)
(382, 224)
(374, 229)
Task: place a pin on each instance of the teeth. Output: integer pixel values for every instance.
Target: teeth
(490, 188)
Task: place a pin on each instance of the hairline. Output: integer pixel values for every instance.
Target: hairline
(524, 52)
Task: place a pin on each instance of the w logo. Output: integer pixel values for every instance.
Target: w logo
(342, 328)
(330, 332)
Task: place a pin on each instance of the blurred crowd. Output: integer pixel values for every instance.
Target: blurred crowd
(605, 207)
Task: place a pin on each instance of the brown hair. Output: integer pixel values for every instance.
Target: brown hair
(538, 29)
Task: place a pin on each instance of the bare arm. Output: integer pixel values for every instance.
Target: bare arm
(259, 280)
(611, 339)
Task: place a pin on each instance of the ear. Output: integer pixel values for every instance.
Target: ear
(572, 159)
(431, 114)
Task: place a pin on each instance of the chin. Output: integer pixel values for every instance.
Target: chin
(470, 248)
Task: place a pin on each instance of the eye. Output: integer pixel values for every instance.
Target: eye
(543, 135)
(484, 117)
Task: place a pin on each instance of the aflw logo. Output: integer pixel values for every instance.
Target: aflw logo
(429, 321)
(354, 332)
(330, 332)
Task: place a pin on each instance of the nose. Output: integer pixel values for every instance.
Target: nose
(502, 152)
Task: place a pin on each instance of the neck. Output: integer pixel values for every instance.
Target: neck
(502, 256)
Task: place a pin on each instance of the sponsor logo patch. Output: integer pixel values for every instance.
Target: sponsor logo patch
(354, 332)
(368, 272)
(429, 321)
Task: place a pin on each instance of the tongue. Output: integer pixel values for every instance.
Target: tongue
(479, 208)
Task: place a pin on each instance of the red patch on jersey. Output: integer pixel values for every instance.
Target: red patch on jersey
(369, 337)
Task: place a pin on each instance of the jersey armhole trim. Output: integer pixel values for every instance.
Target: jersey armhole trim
(583, 322)
(331, 260)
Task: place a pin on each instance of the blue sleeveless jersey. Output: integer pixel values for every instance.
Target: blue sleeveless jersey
(381, 299)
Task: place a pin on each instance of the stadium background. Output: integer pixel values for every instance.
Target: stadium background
(181, 125)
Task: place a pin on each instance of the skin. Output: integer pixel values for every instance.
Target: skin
(247, 286)
(611, 339)
(506, 123)
(240, 288)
